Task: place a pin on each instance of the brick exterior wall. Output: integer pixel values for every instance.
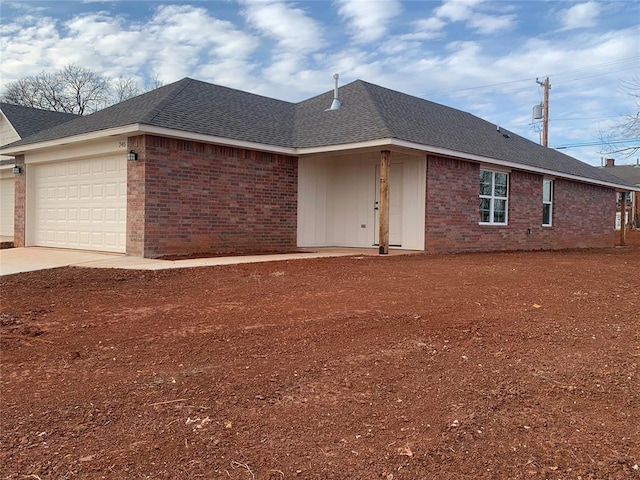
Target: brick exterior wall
(135, 197)
(188, 198)
(582, 214)
(20, 205)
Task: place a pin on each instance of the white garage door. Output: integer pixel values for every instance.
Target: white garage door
(81, 204)
(7, 201)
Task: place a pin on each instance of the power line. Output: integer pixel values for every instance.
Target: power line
(566, 72)
(574, 119)
(596, 75)
(593, 144)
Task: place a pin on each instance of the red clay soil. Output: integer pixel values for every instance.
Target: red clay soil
(481, 366)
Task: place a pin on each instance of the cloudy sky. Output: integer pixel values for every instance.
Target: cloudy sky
(479, 56)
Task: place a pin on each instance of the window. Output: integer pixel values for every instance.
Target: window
(547, 202)
(493, 197)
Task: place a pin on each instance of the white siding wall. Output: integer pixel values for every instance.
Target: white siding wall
(336, 198)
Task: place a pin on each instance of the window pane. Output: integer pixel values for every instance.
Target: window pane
(546, 214)
(485, 182)
(501, 185)
(500, 211)
(485, 215)
(546, 190)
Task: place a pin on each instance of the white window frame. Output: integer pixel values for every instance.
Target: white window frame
(493, 197)
(548, 202)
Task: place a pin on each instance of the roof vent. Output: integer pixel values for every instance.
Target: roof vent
(335, 105)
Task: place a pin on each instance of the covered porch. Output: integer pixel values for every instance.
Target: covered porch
(341, 199)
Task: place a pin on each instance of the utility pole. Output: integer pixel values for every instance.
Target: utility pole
(545, 111)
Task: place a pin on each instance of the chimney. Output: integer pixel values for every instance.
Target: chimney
(610, 162)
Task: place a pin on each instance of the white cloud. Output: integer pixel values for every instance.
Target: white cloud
(183, 38)
(284, 50)
(175, 42)
(426, 29)
(291, 27)
(470, 12)
(456, 10)
(581, 15)
(488, 24)
(368, 20)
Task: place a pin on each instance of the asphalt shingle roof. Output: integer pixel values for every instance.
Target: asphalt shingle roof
(630, 173)
(27, 120)
(367, 112)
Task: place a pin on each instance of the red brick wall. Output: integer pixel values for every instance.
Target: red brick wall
(20, 200)
(202, 198)
(582, 214)
(135, 197)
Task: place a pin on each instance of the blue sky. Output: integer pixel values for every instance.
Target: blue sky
(479, 56)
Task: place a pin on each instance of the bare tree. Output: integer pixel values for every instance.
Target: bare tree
(72, 89)
(153, 83)
(124, 88)
(84, 89)
(624, 137)
(41, 91)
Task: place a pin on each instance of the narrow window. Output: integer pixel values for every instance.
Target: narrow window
(493, 197)
(547, 202)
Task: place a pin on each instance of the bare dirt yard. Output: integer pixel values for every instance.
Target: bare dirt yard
(479, 366)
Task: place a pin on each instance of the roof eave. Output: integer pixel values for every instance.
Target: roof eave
(137, 128)
(84, 137)
(394, 142)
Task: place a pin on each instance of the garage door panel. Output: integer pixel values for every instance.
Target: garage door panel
(111, 215)
(111, 190)
(82, 204)
(85, 191)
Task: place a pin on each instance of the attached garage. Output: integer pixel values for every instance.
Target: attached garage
(79, 204)
(7, 202)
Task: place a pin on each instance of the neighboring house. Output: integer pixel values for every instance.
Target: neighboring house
(18, 122)
(630, 173)
(214, 169)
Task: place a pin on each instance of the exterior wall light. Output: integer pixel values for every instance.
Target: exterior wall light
(132, 156)
(17, 170)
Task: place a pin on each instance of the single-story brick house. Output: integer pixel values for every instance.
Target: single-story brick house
(18, 122)
(213, 169)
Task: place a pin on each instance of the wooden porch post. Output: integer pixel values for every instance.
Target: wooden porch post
(385, 160)
(623, 211)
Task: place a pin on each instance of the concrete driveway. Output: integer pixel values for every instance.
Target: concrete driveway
(18, 260)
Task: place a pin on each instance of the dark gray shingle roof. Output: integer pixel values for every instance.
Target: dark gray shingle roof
(190, 106)
(368, 112)
(28, 120)
(630, 173)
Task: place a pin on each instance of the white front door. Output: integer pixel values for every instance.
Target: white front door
(79, 204)
(396, 172)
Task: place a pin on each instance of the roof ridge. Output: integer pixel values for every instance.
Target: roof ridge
(381, 117)
(172, 93)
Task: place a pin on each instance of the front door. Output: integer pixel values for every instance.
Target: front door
(395, 205)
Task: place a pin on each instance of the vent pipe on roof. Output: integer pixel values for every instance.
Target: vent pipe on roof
(335, 105)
